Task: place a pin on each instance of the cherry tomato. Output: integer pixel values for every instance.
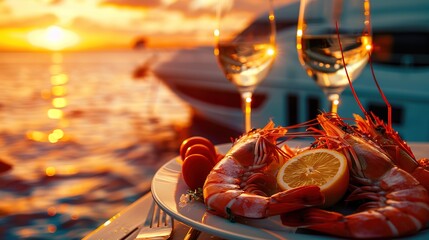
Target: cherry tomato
(196, 140)
(195, 169)
(201, 149)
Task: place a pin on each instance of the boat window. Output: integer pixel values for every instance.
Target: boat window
(293, 113)
(313, 106)
(380, 110)
(293, 109)
(401, 48)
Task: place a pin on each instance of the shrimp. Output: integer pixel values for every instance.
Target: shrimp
(393, 145)
(237, 185)
(397, 204)
(383, 135)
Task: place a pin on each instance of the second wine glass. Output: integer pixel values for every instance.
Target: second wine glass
(247, 58)
(334, 42)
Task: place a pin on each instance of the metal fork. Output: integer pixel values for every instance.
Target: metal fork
(158, 224)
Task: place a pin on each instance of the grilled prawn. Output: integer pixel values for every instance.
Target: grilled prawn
(396, 204)
(243, 182)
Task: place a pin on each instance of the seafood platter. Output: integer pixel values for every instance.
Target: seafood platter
(352, 178)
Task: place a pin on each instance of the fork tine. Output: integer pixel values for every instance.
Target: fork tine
(162, 218)
(165, 219)
(168, 220)
(150, 215)
(157, 224)
(155, 217)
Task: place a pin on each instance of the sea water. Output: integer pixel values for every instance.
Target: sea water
(84, 133)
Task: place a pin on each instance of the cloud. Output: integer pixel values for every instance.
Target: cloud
(4, 10)
(50, 2)
(30, 21)
(99, 20)
(91, 26)
(192, 7)
(132, 3)
(204, 4)
(88, 25)
(82, 23)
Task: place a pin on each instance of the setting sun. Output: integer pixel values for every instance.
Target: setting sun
(53, 38)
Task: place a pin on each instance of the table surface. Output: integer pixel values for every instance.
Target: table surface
(120, 226)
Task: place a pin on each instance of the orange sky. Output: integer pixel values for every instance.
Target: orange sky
(101, 24)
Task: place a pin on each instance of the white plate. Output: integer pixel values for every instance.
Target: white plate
(168, 186)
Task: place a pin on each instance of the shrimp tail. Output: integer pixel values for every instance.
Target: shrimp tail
(328, 222)
(312, 217)
(296, 198)
(379, 223)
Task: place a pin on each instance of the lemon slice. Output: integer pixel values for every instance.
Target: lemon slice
(322, 167)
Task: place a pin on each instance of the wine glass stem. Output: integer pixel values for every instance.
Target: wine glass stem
(334, 106)
(335, 100)
(246, 99)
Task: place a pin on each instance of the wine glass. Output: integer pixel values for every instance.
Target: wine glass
(334, 43)
(245, 58)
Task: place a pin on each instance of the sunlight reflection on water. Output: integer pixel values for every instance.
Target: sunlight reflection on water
(84, 139)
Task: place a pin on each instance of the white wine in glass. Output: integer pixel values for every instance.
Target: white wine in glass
(334, 43)
(245, 59)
